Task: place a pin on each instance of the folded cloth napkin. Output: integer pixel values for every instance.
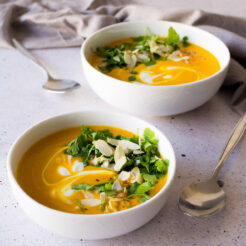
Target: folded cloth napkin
(51, 23)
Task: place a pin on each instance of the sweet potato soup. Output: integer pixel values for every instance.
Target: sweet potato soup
(154, 60)
(93, 170)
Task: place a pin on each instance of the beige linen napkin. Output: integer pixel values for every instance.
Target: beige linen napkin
(51, 23)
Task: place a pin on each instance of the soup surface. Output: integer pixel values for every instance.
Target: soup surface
(103, 170)
(154, 60)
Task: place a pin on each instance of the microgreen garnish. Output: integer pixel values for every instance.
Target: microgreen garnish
(146, 163)
(173, 38)
(151, 46)
(82, 146)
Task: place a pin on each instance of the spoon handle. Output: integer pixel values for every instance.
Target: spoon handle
(26, 53)
(234, 138)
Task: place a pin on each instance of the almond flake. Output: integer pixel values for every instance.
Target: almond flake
(116, 185)
(116, 58)
(87, 194)
(130, 59)
(126, 144)
(120, 163)
(94, 161)
(119, 152)
(124, 175)
(91, 202)
(113, 141)
(103, 147)
(136, 176)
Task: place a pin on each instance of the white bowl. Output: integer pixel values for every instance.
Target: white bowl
(154, 100)
(79, 225)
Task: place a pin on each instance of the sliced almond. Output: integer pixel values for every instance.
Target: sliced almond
(136, 176)
(124, 175)
(103, 147)
(87, 194)
(142, 57)
(94, 161)
(120, 163)
(126, 144)
(116, 58)
(160, 49)
(91, 202)
(116, 185)
(105, 164)
(119, 152)
(127, 57)
(130, 59)
(113, 141)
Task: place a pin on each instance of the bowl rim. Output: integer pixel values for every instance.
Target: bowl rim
(13, 181)
(122, 82)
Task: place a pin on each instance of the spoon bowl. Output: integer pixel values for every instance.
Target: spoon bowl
(52, 85)
(202, 199)
(207, 198)
(60, 85)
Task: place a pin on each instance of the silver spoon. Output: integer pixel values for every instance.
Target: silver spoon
(207, 198)
(53, 85)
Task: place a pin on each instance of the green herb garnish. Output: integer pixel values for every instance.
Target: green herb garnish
(149, 163)
(141, 190)
(185, 42)
(150, 62)
(80, 206)
(150, 136)
(152, 179)
(82, 146)
(173, 38)
(103, 204)
(113, 56)
(131, 78)
(103, 186)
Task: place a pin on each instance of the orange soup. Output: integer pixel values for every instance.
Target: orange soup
(154, 60)
(93, 170)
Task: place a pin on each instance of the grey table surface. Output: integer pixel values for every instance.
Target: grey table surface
(198, 138)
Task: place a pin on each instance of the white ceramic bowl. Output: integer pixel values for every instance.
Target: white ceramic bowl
(154, 100)
(79, 225)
